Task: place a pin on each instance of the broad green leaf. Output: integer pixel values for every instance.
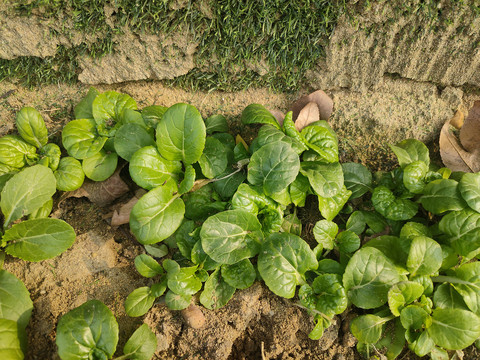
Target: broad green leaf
(15, 152)
(203, 203)
(147, 266)
(402, 294)
(329, 266)
(83, 110)
(213, 160)
(177, 302)
(320, 137)
(299, 189)
(443, 195)
(282, 197)
(270, 134)
(15, 303)
(325, 232)
(331, 298)
(21, 196)
(10, 347)
(81, 140)
(69, 174)
(141, 345)
(274, 167)
(90, 329)
(422, 345)
(425, 256)
(290, 130)
(129, 116)
(109, 105)
(409, 151)
(153, 114)
(181, 134)
(185, 238)
(100, 166)
(394, 248)
(240, 275)
(393, 339)
(199, 257)
(139, 301)
(216, 123)
(229, 185)
(217, 292)
(257, 114)
(358, 179)
(414, 317)
(188, 181)
(426, 282)
(51, 153)
(184, 281)
(469, 187)
(43, 211)
(386, 204)
(368, 277)
(454, 329)
(413, 229)
(31, 127)
(368, 328)
(131, 137)
(414, 176)
(292, 224)
(156, 250)
(348, 242)
(231, 236)
(283, 261)
(446, 297)
(157, 214)
(38, 239)
(330, 207)
(325, 179)
(469, 287)
(356, 222)
(149, 169)
(463, 230)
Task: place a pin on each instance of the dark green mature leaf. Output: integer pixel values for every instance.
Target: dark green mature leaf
(394, 248)
(147, 266)
(454, 329)
(425, 256)
(100, 166)
(414, 176)
(216, 123)
(80, 138)
(149, 169)
(10, 347)
(14, 151)
(231, 236)
(283, 261)
(157, 214)
(331, 298)
(90, 329)
(83, 110)
(358, 179)
(229, 185)
(15, 303)
(368, 277)
(69, 174)
(274, 167)
(392, 208)
(200, 258)
(446, 297)
(443, 195)
(325, 232)
(213, 161)
(320, 137)
(469, 287)
(393, 339)
(257, 114)
(139, 301)
(31, 127)
(402, 294)
(109, 105)
(325, 179)
(368, 328)
(463, 230)
(469, 188)
(181, 134)
(202, 203)
(141, 345)
(411, 150)
(217, 292)
(299, 189)
(20, 196)
(240, 275)
(38, 239)
(131, 137)
(348, 242)
(330, 207)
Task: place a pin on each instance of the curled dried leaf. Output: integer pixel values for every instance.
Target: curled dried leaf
(470, 131)
(319, 97)
(309, 114)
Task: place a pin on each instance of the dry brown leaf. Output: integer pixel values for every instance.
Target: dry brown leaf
(122, 215)
(309, 114)
(457, 120)
(278, 115)
(454, 155)
(470, 131)
(324, 102)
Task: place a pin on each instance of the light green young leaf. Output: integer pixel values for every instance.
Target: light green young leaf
(157, 214)
(283, 262)
(10, 347)
(469, 187)
(257, 114)
(325, 232)
(290, 130)
(299, 189)
(217, 292)
(411, 150)
(425, 256)
(446, 297)
(330, 207)
(368, 328)
(177, 302)
(141, 345)
(100, 166)
(200, 258)
(443, 195)
(131, 137)
(15, 152)
(390, 207)
(88, 329)
(38, 239)
(413, 229)
(129, 116)
(358, 179)
(413, 317)
(188, 180)
(51, 153)
(213, 160)
(402, 294)
(43, 211)
(181, 134)
(20, 196)
(81, 140)
(31, 127)
(15, 303)
(69, 174)
(240, 275)
(147, 266)
(184, 281)
(269, 134)
(325, 179)
(414, 176)
(331, 298)
(320, 137)
(109, 105)
(139, 301)
(153, 114)
(83, 110)
(231, 236)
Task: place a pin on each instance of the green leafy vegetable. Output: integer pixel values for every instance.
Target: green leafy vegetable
(80, 138)
(100, 166)
(31, 127)
(257, 114)
(131, 137)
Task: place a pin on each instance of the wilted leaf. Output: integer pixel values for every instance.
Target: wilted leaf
(309, 114)
(470, 131)
(122, 215)
(324, 102)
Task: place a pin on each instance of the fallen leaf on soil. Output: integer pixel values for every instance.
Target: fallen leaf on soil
(323, 101)
(470, 131)
(122, 215)
(454, 156)
(193, 316)
(278, 115)
(101, 193)
(309, 114)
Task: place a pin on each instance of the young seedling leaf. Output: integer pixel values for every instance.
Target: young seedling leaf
(69, 174)
(177, 302)
(109, 105)
(139, 301)
(83, 110)
(402, 294)
(240, 275)
(217, 292)
(51, 153)
(141, 345)
(320, 137)
(31, 127)
(147, 266)
(325, 232)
